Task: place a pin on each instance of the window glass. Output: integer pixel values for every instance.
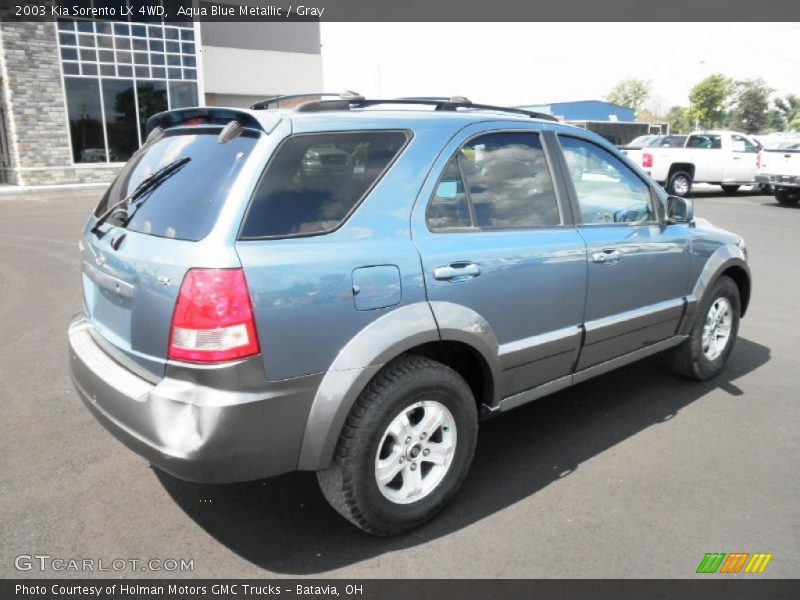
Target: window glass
(120, 111)
(608, 191)
(742, 144)
(152, 96)
(182, 94)
(186, 205)
(449, 208)
(705, 141)
(507, 185)
(313, 181)
(85, 120)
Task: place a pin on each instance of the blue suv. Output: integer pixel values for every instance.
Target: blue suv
(350, 286)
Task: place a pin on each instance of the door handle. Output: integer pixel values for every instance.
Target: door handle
(608, 255)
(460, 271)
(737, 158)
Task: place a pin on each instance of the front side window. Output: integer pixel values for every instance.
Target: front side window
(496, 181)
(314, 181)
(742, 144)
(608, 191)
(706, 141)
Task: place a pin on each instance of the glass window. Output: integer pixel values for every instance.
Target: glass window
(608, 191)
(105, 41)
(107, 70)
(67, 39)
(705, 141)
(140, 58)
(152, 96)
(449, 208)
(124, 71)
(187, 35)
(313, 182)
(182, 94)
(124, 57)
(85, 119)
(122, 29)
(159, 73)
(174, 73)
(139, 30)
(89, 55)
(71, 69)
(173, 47)
(156, 32)
(189, 74)
(157, 59)
(102, 27)
(174, 59)
(88, 69)
(66, 25)
(142, 72)
(507, 185)
(186, 205)
(189, 61)
(742, 144)
(120, 111)
(156, 46)
(85, 26)
(69, 54)
(123, 43)
(171, 33)
(140, 45)
(106, 56)
(86, 41)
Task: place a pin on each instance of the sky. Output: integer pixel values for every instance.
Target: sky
(537, 63)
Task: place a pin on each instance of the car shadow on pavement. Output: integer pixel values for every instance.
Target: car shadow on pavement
(284, 524)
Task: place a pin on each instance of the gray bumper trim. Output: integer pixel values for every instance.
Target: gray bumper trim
(215, 424)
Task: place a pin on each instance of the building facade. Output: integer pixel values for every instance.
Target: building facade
(75, 95)
(585, 110)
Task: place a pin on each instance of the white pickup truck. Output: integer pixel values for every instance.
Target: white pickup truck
(779, 168)
(724, 158)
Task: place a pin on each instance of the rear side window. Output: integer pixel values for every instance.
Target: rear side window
(496, 181)
(314, 181)
(705, 142)
(186, 205)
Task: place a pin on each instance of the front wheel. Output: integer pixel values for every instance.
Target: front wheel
(788, 197)
(730, 190)
(405, 448)
(679, 184)
(711, 340)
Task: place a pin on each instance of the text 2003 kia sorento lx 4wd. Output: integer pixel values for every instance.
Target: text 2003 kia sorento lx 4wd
(349, 286)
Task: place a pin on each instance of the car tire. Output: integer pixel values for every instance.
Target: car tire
(679, 184)
(788, 197)
(377, 440)
(695, 358)
(730, 190)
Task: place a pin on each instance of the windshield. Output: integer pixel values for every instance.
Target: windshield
(186, 205)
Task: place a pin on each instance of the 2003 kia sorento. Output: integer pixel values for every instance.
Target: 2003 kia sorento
(349, 286)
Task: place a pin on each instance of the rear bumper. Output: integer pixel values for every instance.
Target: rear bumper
(209, 424)
(788, 181)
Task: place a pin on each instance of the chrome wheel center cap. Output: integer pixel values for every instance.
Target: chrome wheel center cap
(413, 452)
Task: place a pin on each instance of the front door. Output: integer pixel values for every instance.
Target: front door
(742, 166)
(497, 243)
(637, 268)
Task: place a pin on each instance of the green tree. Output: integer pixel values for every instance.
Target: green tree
(751, 108)
(631, 92)
(710, 98)
(794, 125)
(788, 108)
(678, 119)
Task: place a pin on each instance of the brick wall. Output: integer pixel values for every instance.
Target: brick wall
(35, 115)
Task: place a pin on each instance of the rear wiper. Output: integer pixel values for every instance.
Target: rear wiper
(145, 188)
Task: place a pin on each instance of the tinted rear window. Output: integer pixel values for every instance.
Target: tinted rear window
(186, 205)
(314, 181)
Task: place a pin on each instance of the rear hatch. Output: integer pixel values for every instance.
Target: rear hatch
(133, 263)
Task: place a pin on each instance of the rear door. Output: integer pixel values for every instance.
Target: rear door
(496, 239)
(708, 156)
(132, 272)
(637, 268)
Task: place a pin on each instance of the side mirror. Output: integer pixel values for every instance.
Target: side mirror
(679, 210)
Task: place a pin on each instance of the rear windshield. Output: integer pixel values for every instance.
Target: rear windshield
(314, 181)
(186, 205)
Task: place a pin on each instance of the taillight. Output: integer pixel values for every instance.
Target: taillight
(213, 319)
(647, 160)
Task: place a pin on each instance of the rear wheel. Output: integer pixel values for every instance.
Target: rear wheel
(679, 183)
(713, 335)
(405, 448)
(787, 197)
(730, 189)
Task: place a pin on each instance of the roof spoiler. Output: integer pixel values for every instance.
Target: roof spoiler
(204, 116)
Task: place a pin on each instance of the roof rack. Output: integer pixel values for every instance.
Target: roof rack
(349, 100)
(275, 101)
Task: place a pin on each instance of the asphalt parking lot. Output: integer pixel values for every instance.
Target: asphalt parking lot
(637, 473)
